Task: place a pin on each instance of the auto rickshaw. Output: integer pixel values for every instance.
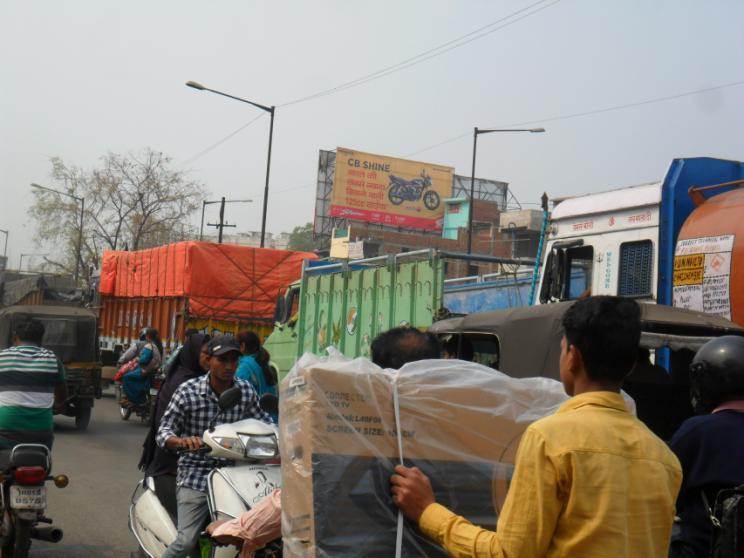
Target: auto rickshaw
(71, 333)
(526, 342)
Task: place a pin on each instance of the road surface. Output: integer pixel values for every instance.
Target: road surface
(102, 465)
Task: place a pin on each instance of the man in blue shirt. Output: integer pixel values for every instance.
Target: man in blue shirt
(710, 447)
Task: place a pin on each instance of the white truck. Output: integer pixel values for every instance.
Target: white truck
(678, 242)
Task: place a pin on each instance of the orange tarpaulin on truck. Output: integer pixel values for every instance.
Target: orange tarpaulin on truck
(220, 280)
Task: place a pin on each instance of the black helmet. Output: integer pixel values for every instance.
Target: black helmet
(143, 334)
(717, 373)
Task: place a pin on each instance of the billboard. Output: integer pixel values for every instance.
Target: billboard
(389, 191)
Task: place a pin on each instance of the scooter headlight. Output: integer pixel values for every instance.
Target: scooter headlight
(232, 444)
(260, 447)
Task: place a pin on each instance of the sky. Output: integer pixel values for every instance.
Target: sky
(82, 78)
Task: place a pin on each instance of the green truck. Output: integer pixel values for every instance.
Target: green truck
(345, 305)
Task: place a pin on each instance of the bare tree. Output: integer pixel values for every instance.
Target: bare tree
(132, 202)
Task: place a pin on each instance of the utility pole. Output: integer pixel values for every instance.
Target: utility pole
(221, 225)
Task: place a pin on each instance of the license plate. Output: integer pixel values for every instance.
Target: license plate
(153, 391)
(28, 497)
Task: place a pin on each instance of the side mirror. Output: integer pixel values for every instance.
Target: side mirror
(548, 277)
(269, 403)
(229, 398)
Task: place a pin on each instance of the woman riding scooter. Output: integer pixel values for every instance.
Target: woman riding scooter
(137, 382)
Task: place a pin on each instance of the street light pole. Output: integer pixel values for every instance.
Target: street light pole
(271, 110)
(476, 133)
(79, 256)
(266, 188)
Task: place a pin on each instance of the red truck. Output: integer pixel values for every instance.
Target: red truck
(215, 288)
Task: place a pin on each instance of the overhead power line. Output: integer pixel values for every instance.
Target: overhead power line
(458, 42)
(585, 113)
(216, 144)
(408, 62)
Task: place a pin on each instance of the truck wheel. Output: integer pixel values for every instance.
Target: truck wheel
(82, 418)
(125, 412)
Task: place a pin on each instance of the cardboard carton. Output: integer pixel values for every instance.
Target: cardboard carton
(460, 423)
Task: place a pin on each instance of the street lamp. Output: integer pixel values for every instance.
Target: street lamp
(270, 110)
(476, 133)
(222, 203)
(5, 250)
(80, 232)
(20, 262)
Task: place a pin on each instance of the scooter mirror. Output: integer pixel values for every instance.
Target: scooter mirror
(229, 398)
(270, 403)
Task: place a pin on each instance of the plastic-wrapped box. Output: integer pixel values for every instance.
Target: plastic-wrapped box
(346, 423)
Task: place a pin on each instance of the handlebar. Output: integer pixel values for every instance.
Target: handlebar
(202, 450)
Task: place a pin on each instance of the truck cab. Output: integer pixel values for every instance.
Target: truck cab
(676, 242)
(603, 243)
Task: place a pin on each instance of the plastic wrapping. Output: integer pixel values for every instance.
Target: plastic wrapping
(459, 422)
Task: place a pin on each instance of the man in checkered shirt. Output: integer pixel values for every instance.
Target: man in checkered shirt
(191, 408)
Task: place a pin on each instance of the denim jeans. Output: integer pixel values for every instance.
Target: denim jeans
(193, 514)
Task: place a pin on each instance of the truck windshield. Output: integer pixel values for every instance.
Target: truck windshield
(579, 263)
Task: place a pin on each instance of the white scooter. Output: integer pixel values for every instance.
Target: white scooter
(231, 490)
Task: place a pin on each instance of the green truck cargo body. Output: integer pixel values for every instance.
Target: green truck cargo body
(346, 306)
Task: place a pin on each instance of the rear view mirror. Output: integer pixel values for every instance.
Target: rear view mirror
(229, 398)
(270, 403)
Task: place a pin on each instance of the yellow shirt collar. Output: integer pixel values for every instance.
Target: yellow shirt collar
(608, 399)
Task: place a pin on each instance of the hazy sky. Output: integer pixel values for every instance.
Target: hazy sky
(80, 78)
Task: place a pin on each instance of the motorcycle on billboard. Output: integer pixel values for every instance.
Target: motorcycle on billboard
(400, 190)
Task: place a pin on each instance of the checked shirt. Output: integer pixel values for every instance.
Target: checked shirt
(191, 408)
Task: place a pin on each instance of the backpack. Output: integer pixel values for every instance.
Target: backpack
(727, 518)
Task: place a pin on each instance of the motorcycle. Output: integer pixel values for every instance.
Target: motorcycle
(24, 500)
(231, 490)
(143, 411)
(400, 190)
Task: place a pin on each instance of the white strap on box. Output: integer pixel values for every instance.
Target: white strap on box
(396, 406)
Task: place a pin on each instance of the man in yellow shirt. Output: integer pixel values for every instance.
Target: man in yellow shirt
(590, 480)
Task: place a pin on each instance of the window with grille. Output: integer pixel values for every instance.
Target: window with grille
(636, 267)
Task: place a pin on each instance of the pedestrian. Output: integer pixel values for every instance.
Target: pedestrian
(590, 480)
(710, 447)
(137, 382)
(188, 415)
(158, 463)
(254, 367)
(32, 383)
(395, 347)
